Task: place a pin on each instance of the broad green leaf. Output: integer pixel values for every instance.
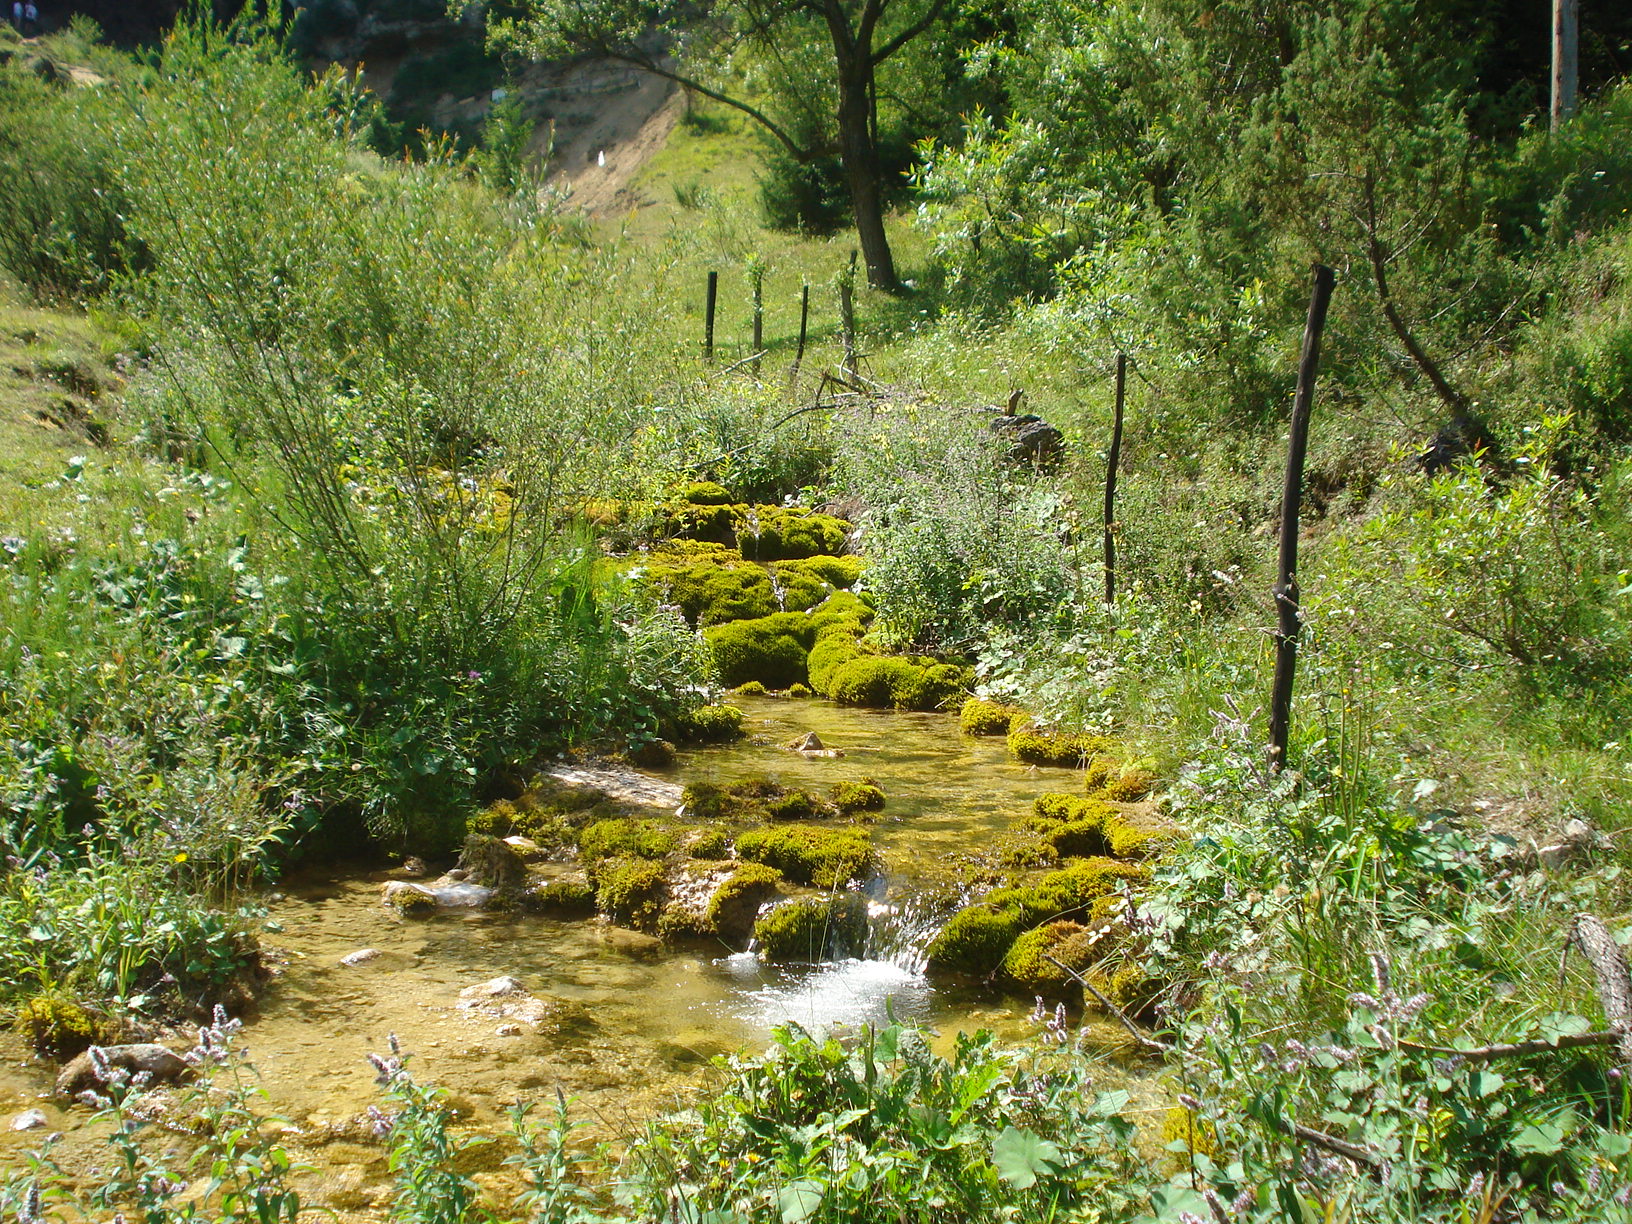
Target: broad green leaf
(799, 1200)
(1020, 1155)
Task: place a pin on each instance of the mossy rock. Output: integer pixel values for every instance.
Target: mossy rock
(715, 588)
(975, 940)
(562, 899)
(677, 924)
(771, 650)
(1129, 988)
(713, 524)
(808, 854)
(630, 891)
(752, 689)
(896, 682)
(711, 724)
(705, 493)
(1034, 746)
(56, 1025)
(709, 844)
(813, 929)
(736, 902)
(651, 754)
(1025, 850)
(981, 717)
(1186, 1134)
(1128, 840)
(853, 797)
(1087, 880)
(1028, 969)
(796, 805)
(801, 692)
(409, 901)
(1130, 785)
(835, 646)
(626, 838)
(777, 533)
(742, 802)
(1055, 808)
(840, 572)
(492, 864)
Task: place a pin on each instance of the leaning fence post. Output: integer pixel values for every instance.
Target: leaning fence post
(1111, 461)
(847, 314)
(708, 317)
(1286, 581)
(756, 282)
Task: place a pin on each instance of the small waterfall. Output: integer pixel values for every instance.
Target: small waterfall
(900, 934)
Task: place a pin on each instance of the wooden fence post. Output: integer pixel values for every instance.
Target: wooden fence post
(756, 276)
(847, 315)
(1288, 624)
(708, 317)
(1111, 461)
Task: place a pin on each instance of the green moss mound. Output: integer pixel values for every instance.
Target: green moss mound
(975, 940)
(841, 572)
(630, 891)
(1028, 969)
(896, 682)
(711, 724)
(776, 533)
(795, 805)
(1034, 746)
(807, 854)
(771, 650)
(813, 929)
(752, 689)
(56, 1025)
(800, 691)
(1129, 786)
(736, 902)
(705, 493)
(718, 586)
(1072, 825)
(853, 797)
(711, 844)
(563, 899)
(981, 717)
(625, 838)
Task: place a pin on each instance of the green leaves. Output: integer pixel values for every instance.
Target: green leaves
(1021, 1157)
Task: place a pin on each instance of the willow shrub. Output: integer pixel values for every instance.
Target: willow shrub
(419, 393)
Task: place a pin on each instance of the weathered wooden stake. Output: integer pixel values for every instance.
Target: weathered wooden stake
(1111, 461)
(1566, 56)
(708, 317)
(1286, 583)
(847, 315)
(758, 274)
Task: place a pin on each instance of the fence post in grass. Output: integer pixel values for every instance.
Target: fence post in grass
(804, 330)
(847, 314)
(1111, 461)
(1286, 579)
(708, 317)
(756, 282)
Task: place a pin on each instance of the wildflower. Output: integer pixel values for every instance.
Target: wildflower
(32, 1211)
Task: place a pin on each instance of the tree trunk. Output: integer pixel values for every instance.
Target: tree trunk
(862, 173)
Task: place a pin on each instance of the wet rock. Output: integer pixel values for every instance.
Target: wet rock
(446, 893)
(30, 1119)
(142, 1058)
(458, 874)
(633, 944)
(507, 1030)
(505, 987)
(491, 863)
(810, 745)
(527, 850)
(415, 868)
(619, 784)
(360, 957)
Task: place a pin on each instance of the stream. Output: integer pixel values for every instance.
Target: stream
(619, 1023)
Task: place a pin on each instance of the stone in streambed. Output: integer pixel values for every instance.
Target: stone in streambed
(360, 957)
(141, 1058)
(30, 1119)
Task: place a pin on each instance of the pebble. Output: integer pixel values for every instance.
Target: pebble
(507, 1030)
(360, 957)
(495, 988)
(30, 1119)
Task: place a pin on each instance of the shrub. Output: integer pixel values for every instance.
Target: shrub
(981, 717)
(806, 854)
(630, 891)
(975, 940)
(852, 797)
(814, 928)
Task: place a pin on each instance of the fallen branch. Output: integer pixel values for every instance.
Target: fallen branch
(1517, 1049)
(1339, 1147)
(1592, 937)
(748, 360)
(1145, 1041)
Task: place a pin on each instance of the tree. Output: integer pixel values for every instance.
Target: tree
(862, 36)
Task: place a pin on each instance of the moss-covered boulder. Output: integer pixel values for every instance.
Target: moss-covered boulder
(809, 854)
(898, 682)
(1037, 746)
(775, 533)
(623, 837)
(802, 692)
(630, 891)
(795, 805)
(705, 493)
(735, 905)
(771, 650)
(710, 724)
(975, 940)
(839, 572)
(981, 717)
(1027, 966)
(813, 928)
(562, 899)
(719, 586)
(492, 863)
(853, 797)
(55, 1025)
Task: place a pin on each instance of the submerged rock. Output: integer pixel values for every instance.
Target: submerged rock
(360, 957)
(414, 900)
(810, 745)
(143, 1058)
(30, 1119)
(504, 987)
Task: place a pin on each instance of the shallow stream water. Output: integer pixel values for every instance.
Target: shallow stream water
(620, 1023)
